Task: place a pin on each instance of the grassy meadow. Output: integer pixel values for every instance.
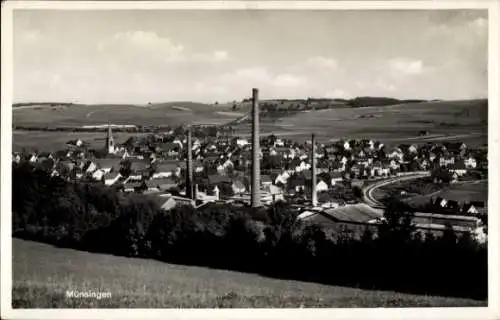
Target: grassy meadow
(43, 273)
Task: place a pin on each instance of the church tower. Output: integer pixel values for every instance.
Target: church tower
(110, 143)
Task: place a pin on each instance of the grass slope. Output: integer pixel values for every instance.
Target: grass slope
(42, 274)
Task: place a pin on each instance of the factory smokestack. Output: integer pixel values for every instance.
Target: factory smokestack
(255, 150)
(314, 195)
(189, 166)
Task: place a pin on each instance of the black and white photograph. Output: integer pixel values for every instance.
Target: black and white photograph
(248, 155)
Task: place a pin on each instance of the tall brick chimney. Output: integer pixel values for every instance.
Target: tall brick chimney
(255, 197)
(314, 195)
(189, 166)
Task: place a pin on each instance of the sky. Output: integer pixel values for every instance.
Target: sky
(210, 55)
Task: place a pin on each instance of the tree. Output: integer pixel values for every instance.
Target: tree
(398, 223)
(126, 168)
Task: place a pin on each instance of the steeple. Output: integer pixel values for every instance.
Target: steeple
(110, 143)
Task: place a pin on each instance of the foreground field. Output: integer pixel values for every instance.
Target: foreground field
(445, 121)
(42, 274)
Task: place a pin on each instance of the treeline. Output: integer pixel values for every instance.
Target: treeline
(92, 217)
(136, 128)
(360, 102)
(50, 104)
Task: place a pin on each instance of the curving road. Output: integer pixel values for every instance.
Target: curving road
(368, 191)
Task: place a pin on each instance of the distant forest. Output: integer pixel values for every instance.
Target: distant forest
(49, 104)
(356, 102)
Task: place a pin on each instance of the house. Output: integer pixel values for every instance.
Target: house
(458, 168)
(216, 179)
(455, 147)
(327, 201)
(347, 145)
(178, 142)
(33, 158)
(444, 161)
(164, 169)
(238, 186)
(297, 183)
(275, 190)
(168, 202)
(394, 165)
(303, 166)
(279, 143)
(109, 164)
(98, 174)
(75, 143)
(266, 180)
(282, 178)
(335, 178)
(396, 153)
(162, 184)
(89, 166)
(469, 208)
(135, 186)
(470, 162)
(269, 198)
(321, 186)
(454, 205)
(477, 204)
(111, 178)
(139, 166)
(198, 167)
(242, 142)
(378, 146)
(16, 158)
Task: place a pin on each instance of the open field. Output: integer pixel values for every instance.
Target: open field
(172, 113)
(42, 274)
(417, 187)
(462, 192)
(445, 121)
(52, 141)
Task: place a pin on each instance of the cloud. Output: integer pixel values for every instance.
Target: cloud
(220, 55)
(404, 66)
(464, 33)
(151, 46)
(262, 76)
(385, 85)
(337, 94)
(143, 45)
(322, 62)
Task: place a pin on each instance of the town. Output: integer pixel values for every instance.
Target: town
(326, 182)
